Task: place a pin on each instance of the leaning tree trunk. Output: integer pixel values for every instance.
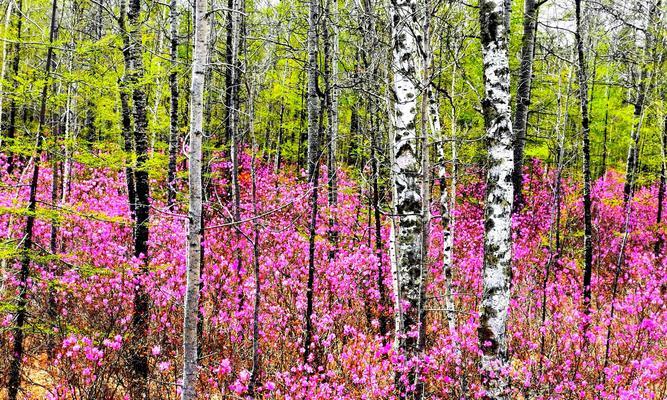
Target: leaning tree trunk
(173, 110)
(497, 268)
(523, 96)
(191, 313)
(14, 378)
(313, 106)
(139, 358)
(407, 197)
(586, 145)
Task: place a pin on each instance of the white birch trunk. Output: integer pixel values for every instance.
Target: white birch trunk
(195, 208)
(406, 176)
(499, 201)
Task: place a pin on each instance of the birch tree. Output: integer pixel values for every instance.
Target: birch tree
(497, 267)
(313, 105)
(407, 227)
(194, 249)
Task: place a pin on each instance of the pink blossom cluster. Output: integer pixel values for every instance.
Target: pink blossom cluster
(557, 350)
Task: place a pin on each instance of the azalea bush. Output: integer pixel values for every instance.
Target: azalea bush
(79, 340)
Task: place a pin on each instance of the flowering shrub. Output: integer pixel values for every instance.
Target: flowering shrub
(557, 350)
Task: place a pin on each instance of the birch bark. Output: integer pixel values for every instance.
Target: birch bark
(407, 227)
(497, 267)
(191, 310)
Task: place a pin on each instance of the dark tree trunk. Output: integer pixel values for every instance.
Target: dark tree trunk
(523, 97)
(314, 122)
(139, 357)
(586, 145)
(603, 166)
(13, 108)
(14, 379)
(661, 190)
(173, 111)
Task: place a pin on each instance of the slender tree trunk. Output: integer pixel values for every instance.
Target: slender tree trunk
(173, 111)
(407, 197)
(523, 96)
(644, 86)
(633, 149)
(661, 188)
(313, 105)
(18, 333)
(139, 358)
(255, 372)
(128, 144)
(603, 167)
(232, 124)
(8, 18)
(330, 38)
(554, 231)
(279, 143)
(382, 319)
(191, 313)
(586, 144)
(13, 107)
(497, 270)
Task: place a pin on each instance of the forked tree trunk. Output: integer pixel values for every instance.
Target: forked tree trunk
(497, 268)
(191, 309)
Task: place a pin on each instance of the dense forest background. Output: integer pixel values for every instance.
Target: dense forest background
(333, 199)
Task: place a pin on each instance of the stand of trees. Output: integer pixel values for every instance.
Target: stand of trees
(405, 99)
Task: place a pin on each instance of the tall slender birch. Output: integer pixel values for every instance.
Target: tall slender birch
(313, 105)
(499, 199)
(406, 173)
(191, 310)
(330, 33)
